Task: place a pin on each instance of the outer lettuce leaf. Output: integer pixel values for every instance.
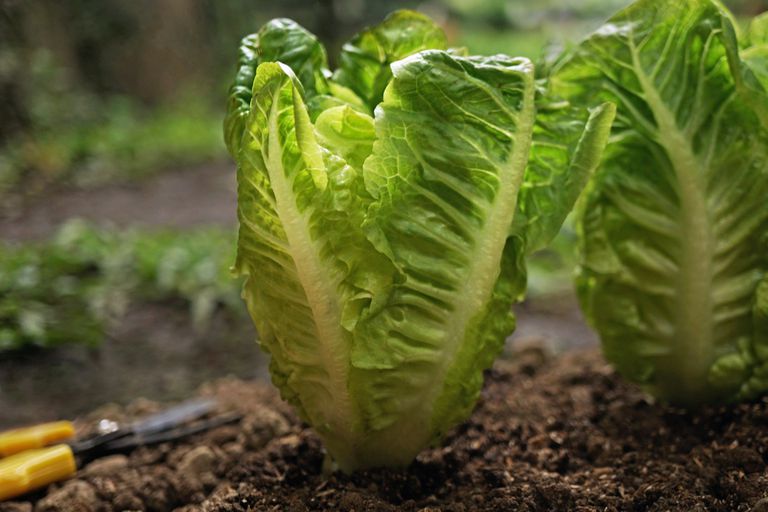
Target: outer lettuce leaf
(239, 104)
(288, 42)
(453, 136)
(308, 265)
(450, 158)
(673, 226)
(365, 60)
(568, 143)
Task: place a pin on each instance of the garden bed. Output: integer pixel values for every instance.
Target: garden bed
(559, 434)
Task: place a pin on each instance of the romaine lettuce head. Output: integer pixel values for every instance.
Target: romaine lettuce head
(674, 227)
(385, 211)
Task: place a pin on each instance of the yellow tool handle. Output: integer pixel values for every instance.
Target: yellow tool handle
(33, 469)
(38, 436)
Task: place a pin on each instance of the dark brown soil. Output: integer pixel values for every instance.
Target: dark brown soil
(548, 435)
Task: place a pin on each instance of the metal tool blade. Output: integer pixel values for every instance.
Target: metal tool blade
(174, 416)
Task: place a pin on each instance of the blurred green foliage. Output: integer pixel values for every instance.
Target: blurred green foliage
(550, 270)
(524, 14)
(69, 289)
(532, 29)
(96, 91)
(85, 139)
(519, 43)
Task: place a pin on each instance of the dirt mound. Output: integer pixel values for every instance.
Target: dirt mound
(549, 434)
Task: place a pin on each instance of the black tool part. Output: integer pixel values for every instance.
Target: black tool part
(152, 425)
(128, 443)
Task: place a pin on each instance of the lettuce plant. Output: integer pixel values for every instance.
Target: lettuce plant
(674, 227)
(385, 212)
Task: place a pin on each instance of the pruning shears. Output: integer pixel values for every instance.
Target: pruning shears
(36, 456)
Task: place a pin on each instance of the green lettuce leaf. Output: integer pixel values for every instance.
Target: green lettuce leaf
(756, 54)
(280, 40)
(309, 268)
(346, 132)
(453, 136)
(365, 60)
(567, 146)
(673, 226)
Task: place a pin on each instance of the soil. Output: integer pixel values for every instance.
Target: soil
(554, 321)
(181, 198)
(549, 434)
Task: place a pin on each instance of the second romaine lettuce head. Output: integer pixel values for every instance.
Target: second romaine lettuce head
(674, 228)
(385, 211)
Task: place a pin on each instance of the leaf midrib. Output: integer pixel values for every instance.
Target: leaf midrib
(319, 289)
(489, 244)
(693, 349)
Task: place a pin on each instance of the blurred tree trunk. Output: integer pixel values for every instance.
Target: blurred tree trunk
(79, 34)
(144, 48)
(147, 49)
(166, 53)
(12, 115)
(327, 28)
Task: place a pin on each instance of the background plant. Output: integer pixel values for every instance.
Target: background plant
(674, 228)
(68, 290)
